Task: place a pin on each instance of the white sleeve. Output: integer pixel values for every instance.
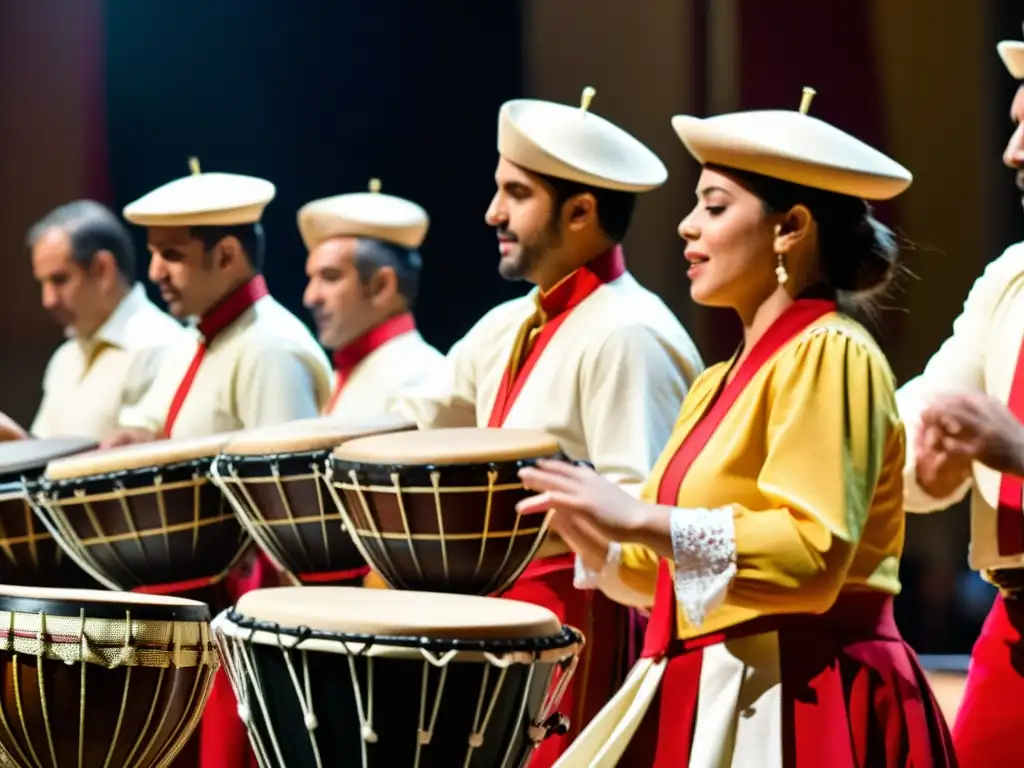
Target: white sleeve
(959, 364)
(607, 580)
(446, 397)
(149, 413)
(632, 390)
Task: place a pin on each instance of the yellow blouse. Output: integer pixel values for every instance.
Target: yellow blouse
(808, 461)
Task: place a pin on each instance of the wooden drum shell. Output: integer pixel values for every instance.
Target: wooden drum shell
(443, 528)
(162, 527)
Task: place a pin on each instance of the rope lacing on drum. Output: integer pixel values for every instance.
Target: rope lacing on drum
(425, 734)
(365, 715)
(476, 738)
(304, 693)
(548, 720)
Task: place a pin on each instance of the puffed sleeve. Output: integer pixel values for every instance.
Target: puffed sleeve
(831, 434)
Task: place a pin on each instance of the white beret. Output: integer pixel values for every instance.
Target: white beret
(203, 200)
(364, 214)
(793, 146)
(575, 144)
(1012, 54)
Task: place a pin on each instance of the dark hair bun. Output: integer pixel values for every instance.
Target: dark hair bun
(859, 251)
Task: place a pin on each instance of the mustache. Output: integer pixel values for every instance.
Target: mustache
(506, 234)
(1020, 180)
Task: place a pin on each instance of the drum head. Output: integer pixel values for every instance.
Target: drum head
(32, 456)
(100, 603)
(399, 613)
(159, 453)
(308, 435)
(469, 445)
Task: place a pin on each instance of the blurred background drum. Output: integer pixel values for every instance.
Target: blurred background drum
(94, 678)
(338, 676)
(29, 554)
(275, 479)
(435, 510)
(146, 517)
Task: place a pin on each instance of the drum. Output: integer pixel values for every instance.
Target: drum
(435, 510)
(28, 552)
(337, 676)
(274, 478)
(95, 678)
(145, 517)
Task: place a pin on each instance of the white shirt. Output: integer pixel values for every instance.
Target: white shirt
(608, 386)
(981, 355)
(403, 361)
(88, 381)
(264, 368)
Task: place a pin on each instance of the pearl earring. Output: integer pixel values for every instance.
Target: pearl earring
(780, 271)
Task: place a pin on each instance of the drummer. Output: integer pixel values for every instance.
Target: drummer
(84, 261)
(589, 355)
(364, 276)
(250, 362)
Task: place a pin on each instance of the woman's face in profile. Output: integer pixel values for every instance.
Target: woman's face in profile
(729, 244)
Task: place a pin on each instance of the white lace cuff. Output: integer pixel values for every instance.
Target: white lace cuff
(585, 578)
(704, 551)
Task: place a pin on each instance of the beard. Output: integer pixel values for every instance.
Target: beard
(519, 266)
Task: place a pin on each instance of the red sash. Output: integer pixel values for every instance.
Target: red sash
(556, 304)
(661, 629)
(215, 321)
(1010, 516)
(348, 357)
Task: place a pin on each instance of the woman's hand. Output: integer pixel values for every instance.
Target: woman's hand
(586, 506)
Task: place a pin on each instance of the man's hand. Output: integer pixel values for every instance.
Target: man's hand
(127, 437)
(939, 474)
(971, 426)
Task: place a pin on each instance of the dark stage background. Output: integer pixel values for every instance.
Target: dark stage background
(319, 101)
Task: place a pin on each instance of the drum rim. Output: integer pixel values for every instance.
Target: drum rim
(105, 610)
(47, 483)
(567, 637)
(267, 458)
(346, 465)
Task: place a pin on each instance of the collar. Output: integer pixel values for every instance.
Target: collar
(348, 357)
(578, 285)
(232, 307)
(114, 330)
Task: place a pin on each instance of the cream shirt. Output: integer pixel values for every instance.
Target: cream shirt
(608, 386)
(88, 381)
(981, 355)
(403, 361)
(264, 368)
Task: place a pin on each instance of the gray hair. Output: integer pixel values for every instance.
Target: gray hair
(372, 255)
(91, 227)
